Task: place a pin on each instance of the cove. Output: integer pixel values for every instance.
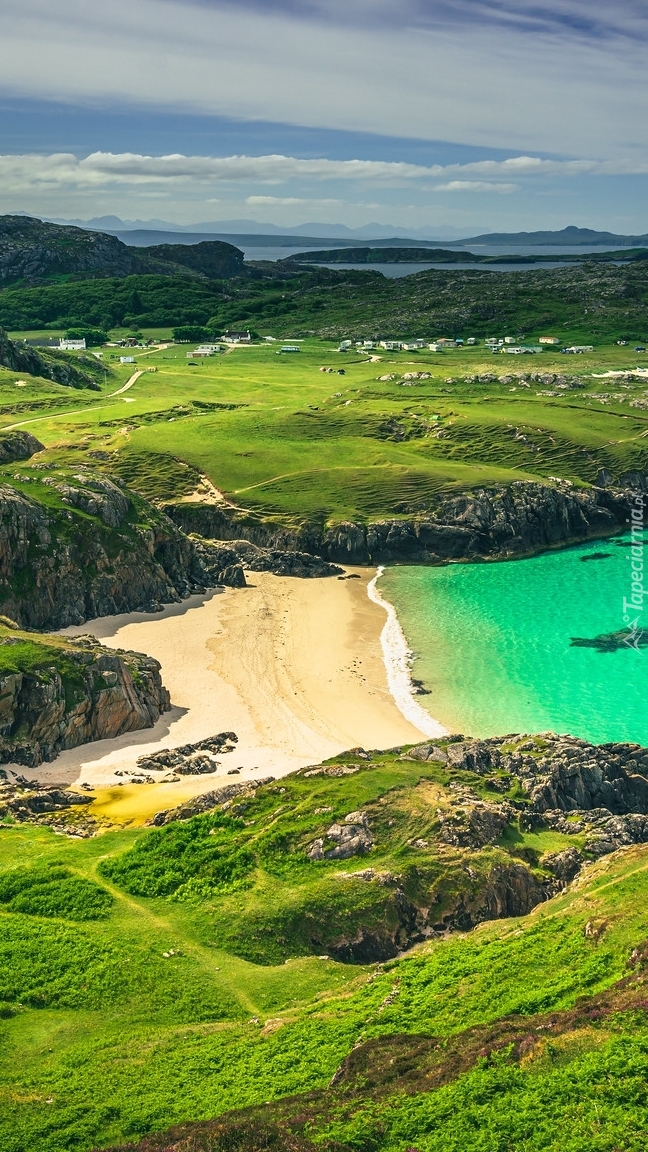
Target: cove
(492, 644)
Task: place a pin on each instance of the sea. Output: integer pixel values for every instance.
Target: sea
(491, 645)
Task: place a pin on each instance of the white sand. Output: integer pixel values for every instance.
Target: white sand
(294, 667)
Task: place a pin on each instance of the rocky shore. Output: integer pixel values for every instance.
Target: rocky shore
(485, 524)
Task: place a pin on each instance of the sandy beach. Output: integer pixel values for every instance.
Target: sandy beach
(294, 667)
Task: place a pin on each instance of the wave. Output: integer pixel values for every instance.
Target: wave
(398, 662)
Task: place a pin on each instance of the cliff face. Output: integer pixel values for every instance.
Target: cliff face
(80, 546)
(55, 366)
(496, 523)
(85, 693)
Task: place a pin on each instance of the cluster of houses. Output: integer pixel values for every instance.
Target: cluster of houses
(496, 344)
(227, 339)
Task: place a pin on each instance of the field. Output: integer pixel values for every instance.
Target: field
(154, 977)
(279, 437)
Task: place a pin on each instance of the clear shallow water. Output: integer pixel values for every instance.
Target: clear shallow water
(492, 644)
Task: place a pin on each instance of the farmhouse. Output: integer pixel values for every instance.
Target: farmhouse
(237, 337)
(72, 345)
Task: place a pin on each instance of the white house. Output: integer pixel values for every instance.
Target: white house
(126, 359)
(72, 345)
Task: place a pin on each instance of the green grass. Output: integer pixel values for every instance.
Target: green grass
(105, 1039)
(284, 444)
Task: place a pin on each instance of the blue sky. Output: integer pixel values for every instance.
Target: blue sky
(459, 115)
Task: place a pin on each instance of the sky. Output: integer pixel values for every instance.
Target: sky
(447, 117)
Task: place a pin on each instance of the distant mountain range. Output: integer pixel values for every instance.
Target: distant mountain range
(147, 232)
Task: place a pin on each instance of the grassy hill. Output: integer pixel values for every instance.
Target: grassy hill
(603, 301)
(182, 982)
(376, 447)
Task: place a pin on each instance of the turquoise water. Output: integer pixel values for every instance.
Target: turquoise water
(492, 644)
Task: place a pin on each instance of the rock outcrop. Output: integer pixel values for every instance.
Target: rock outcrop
(87, 693)
(493, 523)
(191, 759)
(18, 446)
(352, 838)
(97, 550)
(219, 798)
(569, 785)
(33, 251)
(55, 366)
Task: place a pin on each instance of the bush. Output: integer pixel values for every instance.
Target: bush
(53, 892)
(191, 333)
(92, 336)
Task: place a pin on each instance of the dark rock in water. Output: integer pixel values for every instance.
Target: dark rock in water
(612, 641)
(18, 446)
(596, 556)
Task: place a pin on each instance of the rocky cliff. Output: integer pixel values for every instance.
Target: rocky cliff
(75, 545)
(63, 693)
(53, 366)
(493, 524)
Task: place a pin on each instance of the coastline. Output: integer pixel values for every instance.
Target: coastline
(397, 656)
(295, 667)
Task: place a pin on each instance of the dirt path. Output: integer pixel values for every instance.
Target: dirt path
(129, 383)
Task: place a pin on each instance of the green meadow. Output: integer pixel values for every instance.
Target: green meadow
(151, 977)
(281, 438)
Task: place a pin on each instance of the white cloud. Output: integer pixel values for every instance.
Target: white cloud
(564, 78)
(475, 186)
(197, 175)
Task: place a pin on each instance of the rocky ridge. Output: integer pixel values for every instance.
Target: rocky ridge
(96, 550)
(86, 693)
(494, 524)
(569, 785)
(33, 251)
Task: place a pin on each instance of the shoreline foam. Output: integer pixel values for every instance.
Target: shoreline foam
(397, 656)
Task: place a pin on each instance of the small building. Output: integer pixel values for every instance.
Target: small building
(237, 337)
(472, 340)
(549, 340)
(288, 348)
(72, 345)
(344, 344)
(390, 345)
(510, 340)
(126, 359)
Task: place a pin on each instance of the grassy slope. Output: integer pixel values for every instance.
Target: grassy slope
(608, 302)
(159, 438)
(105, 1039)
